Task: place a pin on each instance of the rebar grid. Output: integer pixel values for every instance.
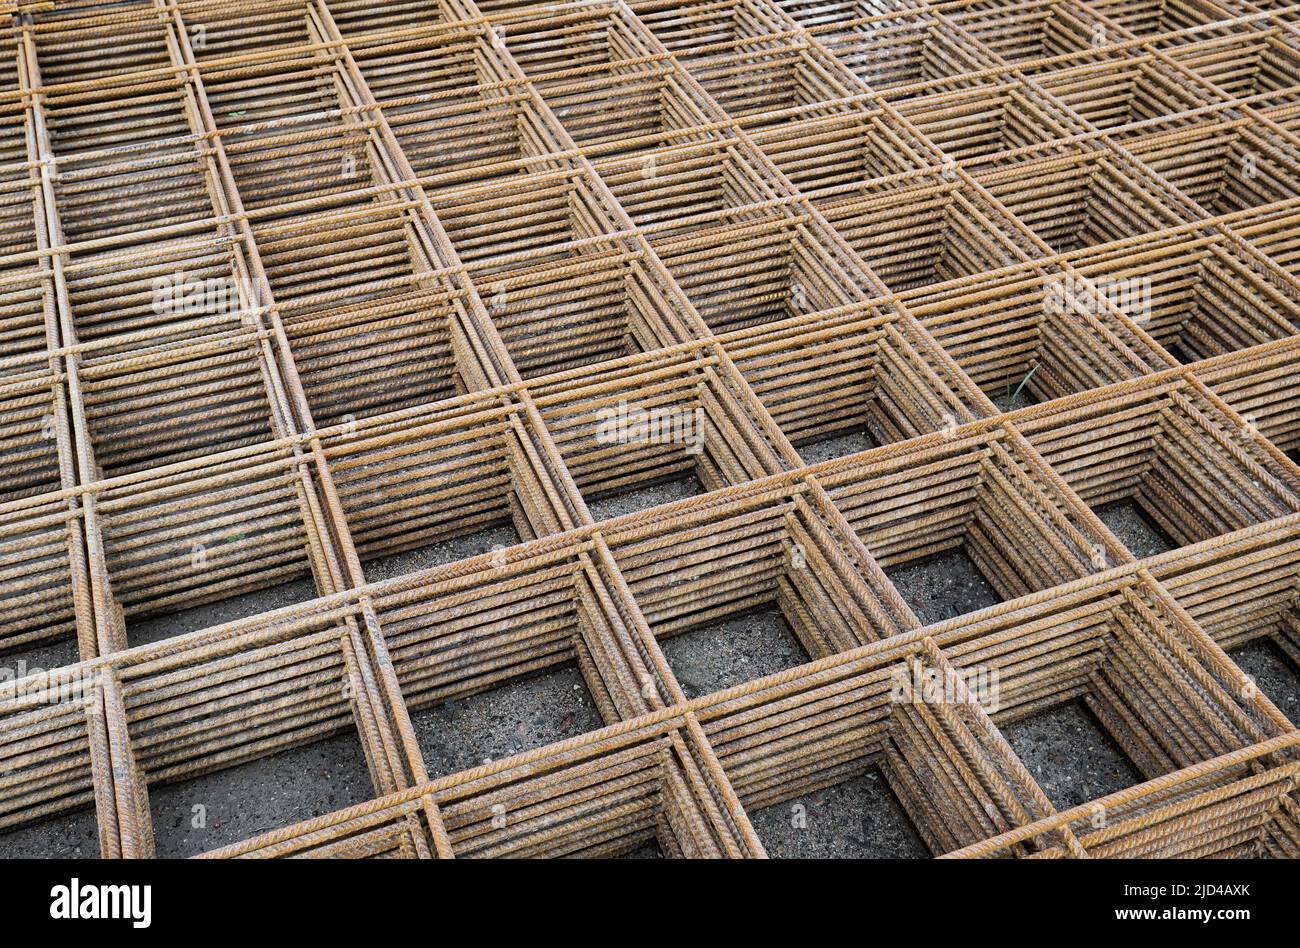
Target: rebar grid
(294, 287)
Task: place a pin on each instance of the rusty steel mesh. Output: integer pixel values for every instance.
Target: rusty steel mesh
(291, 286)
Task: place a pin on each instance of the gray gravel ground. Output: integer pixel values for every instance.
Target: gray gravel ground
(1273, 673)
(943, 586)
(1134, 529)
(155, 629)
(439, 554)
(857, 819)
(1073, 759)
(73, 836)
(505, 720)
(620, 503)
(828, 449)
(648, 850)
(732, 652)
(29, 660)
(262, 795)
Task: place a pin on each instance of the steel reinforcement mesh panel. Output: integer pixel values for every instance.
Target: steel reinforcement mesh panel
(368, 362)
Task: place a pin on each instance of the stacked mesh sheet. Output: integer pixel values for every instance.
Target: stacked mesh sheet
(290, 288)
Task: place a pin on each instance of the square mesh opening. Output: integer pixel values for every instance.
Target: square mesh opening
(857, 819)
(730, 652)
(1070, 755)
(511, 717)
